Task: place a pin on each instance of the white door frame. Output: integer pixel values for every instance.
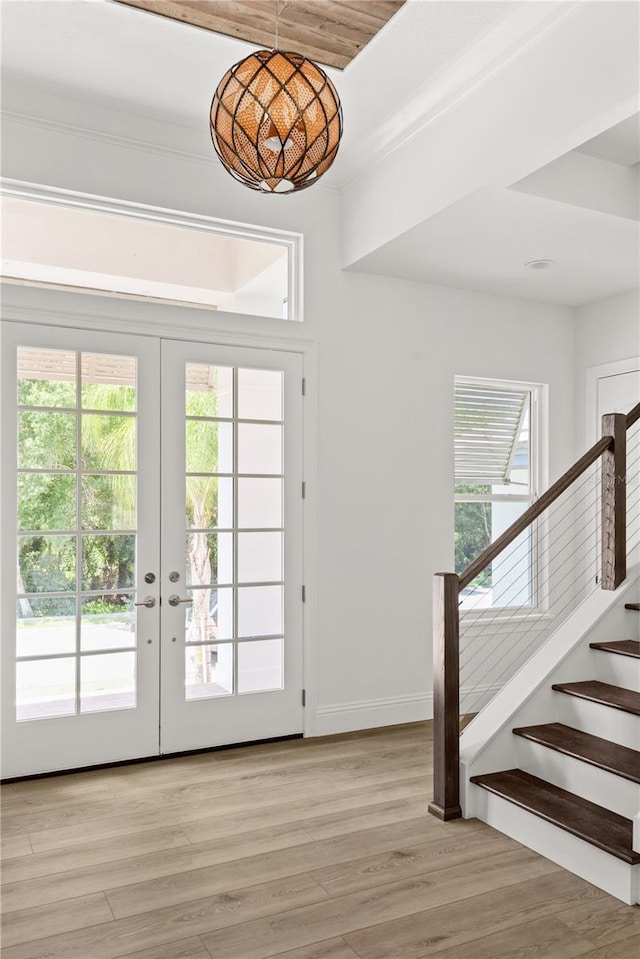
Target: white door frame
(592, 428)
(595, 373)
(49, 307)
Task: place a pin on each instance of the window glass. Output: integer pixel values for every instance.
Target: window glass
(208, 263)
(494, 485)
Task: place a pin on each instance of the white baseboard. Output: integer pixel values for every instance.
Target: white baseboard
(368, 714)
(392, 711)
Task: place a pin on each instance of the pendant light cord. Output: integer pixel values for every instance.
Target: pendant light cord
(277, 21)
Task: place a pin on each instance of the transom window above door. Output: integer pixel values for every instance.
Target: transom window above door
(152, 253)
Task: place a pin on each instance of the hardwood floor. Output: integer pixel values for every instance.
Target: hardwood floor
(310, 849)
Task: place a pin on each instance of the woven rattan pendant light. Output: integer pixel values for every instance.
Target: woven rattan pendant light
(276, 121)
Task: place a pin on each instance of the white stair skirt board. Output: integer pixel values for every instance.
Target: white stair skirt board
(616, 669)
(578, 777)
(613, 724)
(581, 858)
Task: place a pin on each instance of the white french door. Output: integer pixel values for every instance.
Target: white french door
(81, 502)
(151, 547)
(231, 545)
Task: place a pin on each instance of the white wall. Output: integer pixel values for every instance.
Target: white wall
(388, 351)
(606, 331)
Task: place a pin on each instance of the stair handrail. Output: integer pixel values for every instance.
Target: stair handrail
(612, 448)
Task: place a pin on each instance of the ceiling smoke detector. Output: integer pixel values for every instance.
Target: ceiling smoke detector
(538, 264)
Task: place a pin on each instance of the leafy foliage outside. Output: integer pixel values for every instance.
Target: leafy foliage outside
(472, 531)
(47, 560)
(47, 501)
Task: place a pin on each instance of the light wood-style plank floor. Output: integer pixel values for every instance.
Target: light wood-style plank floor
(311, 849)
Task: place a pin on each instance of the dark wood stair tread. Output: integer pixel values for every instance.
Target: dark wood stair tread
(604, 693)
(594, 824)
(620, 760)
(624, 647)
(635, 606)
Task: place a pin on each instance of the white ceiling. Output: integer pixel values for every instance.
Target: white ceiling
(119, 57)
(483, 242)
(105, 54)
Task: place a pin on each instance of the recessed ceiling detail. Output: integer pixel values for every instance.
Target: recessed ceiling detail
(619, 144)
(330, 32)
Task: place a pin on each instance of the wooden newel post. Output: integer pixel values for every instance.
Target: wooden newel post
(614, 502)
(446, 698)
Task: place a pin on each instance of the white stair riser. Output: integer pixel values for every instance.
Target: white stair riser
(581, 858)
(604, 721)
(583, 779)
(615, 669)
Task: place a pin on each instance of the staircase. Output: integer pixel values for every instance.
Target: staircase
(576, 793)
(551, 756)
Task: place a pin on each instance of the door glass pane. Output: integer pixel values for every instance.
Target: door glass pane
(259, 557)
(109, 501)
(45, 688)
(108, 562)
(231, 541)
(46, 377)
(209, 447)
(210, 616)
(208, 671)
(259, 448)
(46, 501)
(108, 622)
(46, 564)
(107, 682)
(209, 502)
(259, 610)
(209, 558)
(259, 395)
(259, 503)
(260, 666)
(108, 382)
(108, 442)
(46, 626)
(209, 390)
(46, 440)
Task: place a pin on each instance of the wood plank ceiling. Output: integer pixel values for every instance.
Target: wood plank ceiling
(330, 32)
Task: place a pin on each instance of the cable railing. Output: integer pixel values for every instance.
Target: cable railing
(491, 618)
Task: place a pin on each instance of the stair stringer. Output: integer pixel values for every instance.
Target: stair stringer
(527, 699)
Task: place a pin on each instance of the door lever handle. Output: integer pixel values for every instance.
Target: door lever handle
(148, 601)
(175, 600)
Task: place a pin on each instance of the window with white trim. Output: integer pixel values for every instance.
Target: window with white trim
(92, 244)
(496, 448)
